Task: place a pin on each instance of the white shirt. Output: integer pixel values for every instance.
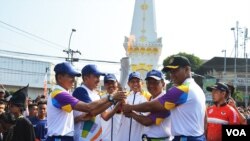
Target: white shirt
(113, 123)
(83, 127)
(162, 130)
(187, 118)
(130, 128)
(60, 122)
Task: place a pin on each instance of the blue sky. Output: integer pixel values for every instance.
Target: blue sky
(199, 27)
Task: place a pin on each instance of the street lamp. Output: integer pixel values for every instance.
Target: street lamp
(69, 51)
(245, 55)
(225, 62)
(73, 30)
(236, 50)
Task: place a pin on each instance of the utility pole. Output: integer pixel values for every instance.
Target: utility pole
(236, 51)
(45, 82)
(225, 63)
(246, 82)
(245, 55)
(71, 52)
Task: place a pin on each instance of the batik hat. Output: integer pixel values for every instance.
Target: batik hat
(19, 97)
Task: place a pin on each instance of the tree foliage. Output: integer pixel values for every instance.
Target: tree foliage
(238, 96)
(194, 60)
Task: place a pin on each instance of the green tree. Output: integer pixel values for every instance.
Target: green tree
(194, 60)
(238, 96)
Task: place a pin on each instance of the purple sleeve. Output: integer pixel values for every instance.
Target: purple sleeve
(174, 96)
(158, 117)
(64, 99)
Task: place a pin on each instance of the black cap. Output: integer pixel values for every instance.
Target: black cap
(176, 62)
(219, 86)
(19, 97)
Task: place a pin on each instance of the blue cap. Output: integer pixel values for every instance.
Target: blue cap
(67, 68)
(155, 74)
(134, 75)
(91, 69)
(110, 77)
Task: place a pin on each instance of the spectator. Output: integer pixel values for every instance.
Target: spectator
(7, 123)
(220, 113)
(232, 103)
(33, 111)
(2, 93)
(2, 106)
(40, 126)
(23, 129)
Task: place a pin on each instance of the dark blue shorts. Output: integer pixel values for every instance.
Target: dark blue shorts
(189, 138)
(60, 138)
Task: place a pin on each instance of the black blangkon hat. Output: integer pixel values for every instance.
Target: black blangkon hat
(19, 97)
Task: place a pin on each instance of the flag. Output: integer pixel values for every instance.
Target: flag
(45, 85)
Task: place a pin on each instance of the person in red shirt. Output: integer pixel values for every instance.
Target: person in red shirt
(220, 113)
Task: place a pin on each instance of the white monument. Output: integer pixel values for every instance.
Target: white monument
(143, 47)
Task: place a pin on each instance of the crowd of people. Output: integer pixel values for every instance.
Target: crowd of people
(179, 113)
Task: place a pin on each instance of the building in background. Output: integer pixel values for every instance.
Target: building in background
(17, 72)
(229, 70)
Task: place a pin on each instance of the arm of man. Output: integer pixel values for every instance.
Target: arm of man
(205, 123)
(98, 106)
(63, 100)
(108, 114)
(233, 117)
(144, 107)
(242, 118)
(175, 96)
(82, 117)
(93, 107)
(144, 120)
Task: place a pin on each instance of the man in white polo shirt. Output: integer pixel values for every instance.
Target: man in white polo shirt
(155, 84)
(112, 116)
(130, 129)
(61, 103)
(185, 100)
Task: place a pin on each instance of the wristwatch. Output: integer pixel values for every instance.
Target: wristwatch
(111, 99)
